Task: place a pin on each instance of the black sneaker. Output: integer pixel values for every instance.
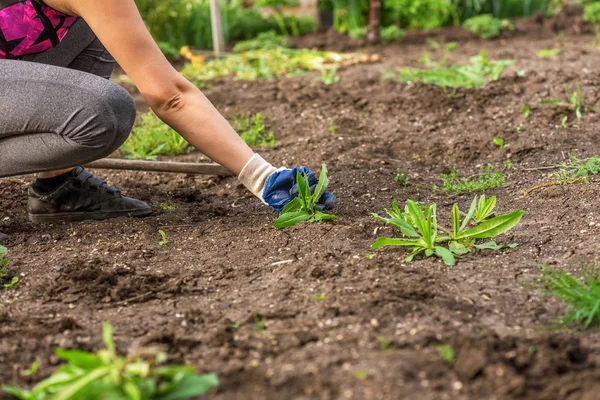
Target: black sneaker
(83, 197)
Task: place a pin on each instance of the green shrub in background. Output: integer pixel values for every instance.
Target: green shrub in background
(391, 33)
(487, 26)
(177, 23)
(591, 13)
(351, 15)
(417, 14)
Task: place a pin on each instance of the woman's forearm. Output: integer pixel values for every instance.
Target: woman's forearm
(194, 117)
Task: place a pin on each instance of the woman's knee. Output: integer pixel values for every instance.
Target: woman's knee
(105, 121)
(123, 109)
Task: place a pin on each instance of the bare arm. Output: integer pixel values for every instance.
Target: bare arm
(119, 26)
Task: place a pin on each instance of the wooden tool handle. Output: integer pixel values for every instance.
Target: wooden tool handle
(160, 166)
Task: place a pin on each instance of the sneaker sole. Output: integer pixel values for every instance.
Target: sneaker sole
(83, 216)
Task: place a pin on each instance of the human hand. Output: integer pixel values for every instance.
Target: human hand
(277, 187)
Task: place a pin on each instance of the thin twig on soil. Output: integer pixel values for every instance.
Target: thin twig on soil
(135, 298)
(582, 179)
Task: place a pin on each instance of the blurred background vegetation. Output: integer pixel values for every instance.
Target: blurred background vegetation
(176, 23)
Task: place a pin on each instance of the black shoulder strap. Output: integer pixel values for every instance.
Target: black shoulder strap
(7, 3)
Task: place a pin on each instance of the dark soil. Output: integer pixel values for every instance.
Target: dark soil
(225, 262)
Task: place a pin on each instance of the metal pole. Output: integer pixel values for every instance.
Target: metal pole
(217, 27)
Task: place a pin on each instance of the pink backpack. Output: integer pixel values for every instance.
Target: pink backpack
(30, 27)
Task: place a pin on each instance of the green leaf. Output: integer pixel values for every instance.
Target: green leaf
(69, 391)
(455, 220)
(494, 246)
(404, 227)
(80, 359)
(132, 391)
(382, 241)
(293, 206)
(303, 189)
(485, 208)
(458, 248)
(62, 376)
(415, 252)
(173, 371)
(291, 219)
(320, 216)
(17, 392)
(190, 386)
(321, 186)
(417, 216)
(493, 227)
(107, 338)
(470, 214)
(445, 255)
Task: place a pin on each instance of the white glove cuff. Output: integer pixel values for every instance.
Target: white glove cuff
(255, 174)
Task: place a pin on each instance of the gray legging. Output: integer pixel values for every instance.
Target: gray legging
(58, 110)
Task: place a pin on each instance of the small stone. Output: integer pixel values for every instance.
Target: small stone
(374, 323)
(58, 267)
(47, 237)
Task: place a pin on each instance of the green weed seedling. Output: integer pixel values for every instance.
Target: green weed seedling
(151, 138)
(487, 179)
(581, 295)
(385, 343)
(3, 259)
(498, 141)
(574, 102)
(105, 375)
(509, 164)
(3, 274)
(486, 26)
(572, 171)
(302, 208)
(402, 178)
(546, 53)
(164, 240)
(563, 122)
(576, 169)
(446, 353)
(332, 128)
(329, 76)
(525, 111)
(477, 72)
(252, 130)
(419, 227)
(260, 323)
(319, 297)
(168, 205)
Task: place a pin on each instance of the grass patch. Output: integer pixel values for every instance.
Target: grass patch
(267, 63)
(547, 53)
(151, 138)
(574, 101)
(582, 296)
(252, 130)
(572, 171)
(488, 178)
(576, 169)
(477, 72)
(486, 26)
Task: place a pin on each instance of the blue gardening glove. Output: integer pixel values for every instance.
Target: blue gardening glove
(277, 187)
